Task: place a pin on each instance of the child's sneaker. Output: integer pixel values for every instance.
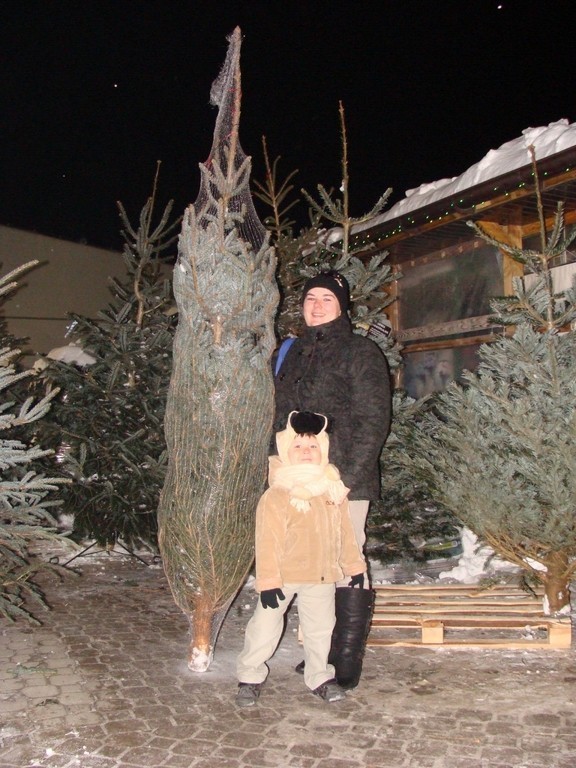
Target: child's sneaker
(330, 691)
(248, 694)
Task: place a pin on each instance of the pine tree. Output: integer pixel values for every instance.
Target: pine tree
(500, 449)
(220, 402)
(405, 522)
(107, 425)
(26, 495)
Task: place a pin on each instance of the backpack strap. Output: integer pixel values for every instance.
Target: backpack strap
(284, 347)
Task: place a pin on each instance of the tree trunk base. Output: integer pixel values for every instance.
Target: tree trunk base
(199, 659)
(205, 624)
(556, 581)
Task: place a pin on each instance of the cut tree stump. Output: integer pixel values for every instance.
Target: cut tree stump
(464, 615)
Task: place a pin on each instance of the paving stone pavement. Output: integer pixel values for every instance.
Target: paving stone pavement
(103, 683)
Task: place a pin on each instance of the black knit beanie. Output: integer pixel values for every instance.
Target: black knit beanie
(307, 423)
(334, 282)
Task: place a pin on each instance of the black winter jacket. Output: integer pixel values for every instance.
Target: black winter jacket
(332, 370)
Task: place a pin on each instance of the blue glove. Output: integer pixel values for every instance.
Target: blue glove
(357, 581)
(269, 597)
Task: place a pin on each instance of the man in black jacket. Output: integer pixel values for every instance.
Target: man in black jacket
(329, 369)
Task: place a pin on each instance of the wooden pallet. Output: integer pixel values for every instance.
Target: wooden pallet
(461, 615)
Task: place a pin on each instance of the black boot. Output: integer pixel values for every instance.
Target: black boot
(353, 616)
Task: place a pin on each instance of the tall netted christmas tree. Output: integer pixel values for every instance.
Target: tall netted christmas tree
(107, 423)
(499, 449)
(27, 501)
(220, 401)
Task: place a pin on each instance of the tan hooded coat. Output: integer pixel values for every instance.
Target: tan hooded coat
(296, 546)
(317, 546)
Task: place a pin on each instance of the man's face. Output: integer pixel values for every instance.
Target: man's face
(305, 449)
(320, 306)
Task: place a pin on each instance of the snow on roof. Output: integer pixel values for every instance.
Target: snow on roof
(547, 140)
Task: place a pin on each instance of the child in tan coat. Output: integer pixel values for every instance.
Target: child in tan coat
(305, 543)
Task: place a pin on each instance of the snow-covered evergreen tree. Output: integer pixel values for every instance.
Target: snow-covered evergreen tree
(107, 424)
(26, 495)
(499, 449)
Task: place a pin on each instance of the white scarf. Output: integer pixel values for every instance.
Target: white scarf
(304, 481)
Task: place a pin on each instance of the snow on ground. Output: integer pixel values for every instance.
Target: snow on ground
(476, 563)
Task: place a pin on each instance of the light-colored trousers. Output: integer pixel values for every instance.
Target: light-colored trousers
(358, 514)
(316, 614)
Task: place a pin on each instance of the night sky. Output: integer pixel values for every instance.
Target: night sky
(93, 94)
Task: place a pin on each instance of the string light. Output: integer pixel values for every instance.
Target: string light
(363, 239)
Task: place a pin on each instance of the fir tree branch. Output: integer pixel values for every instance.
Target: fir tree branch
(273, 195)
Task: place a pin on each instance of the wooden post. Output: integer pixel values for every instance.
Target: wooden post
(432, 632)
(560, 634)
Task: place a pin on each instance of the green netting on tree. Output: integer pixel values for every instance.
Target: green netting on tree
(220, 401)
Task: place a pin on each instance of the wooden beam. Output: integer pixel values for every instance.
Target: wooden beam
(507, 617)
(509, 234)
